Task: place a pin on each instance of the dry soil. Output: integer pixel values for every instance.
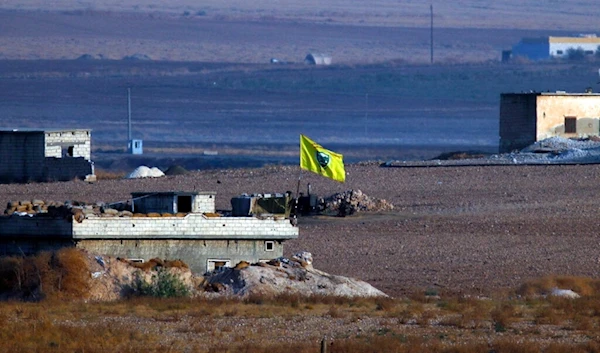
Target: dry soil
(475, 230)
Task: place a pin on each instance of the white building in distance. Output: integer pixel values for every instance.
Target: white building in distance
(555, 47)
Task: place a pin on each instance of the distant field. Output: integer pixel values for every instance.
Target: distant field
(527, 14)
(392, 108)
(42, 35)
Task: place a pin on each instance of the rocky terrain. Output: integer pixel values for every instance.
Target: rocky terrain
(473, 229)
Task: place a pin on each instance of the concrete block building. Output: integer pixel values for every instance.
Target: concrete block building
(202, 238)
(555, 47)
(45, 155)
(529, 117)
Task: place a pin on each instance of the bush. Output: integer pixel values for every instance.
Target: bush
(163, 284)
(54, 275)
(575, 54)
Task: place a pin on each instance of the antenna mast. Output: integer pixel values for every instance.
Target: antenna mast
(128, 115)
(431, 31)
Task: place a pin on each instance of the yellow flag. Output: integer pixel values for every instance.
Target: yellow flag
(322, 161)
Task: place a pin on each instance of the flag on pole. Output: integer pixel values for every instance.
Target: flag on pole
(315, 158)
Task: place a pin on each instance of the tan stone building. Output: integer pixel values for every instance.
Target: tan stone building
(529, 117)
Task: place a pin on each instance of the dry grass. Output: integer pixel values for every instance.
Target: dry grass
(60, 275)
(261, 325)
(277, 324)
(102, 174)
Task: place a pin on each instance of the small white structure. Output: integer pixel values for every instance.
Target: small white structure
(135, 147)
(555, 47)
(317, 59)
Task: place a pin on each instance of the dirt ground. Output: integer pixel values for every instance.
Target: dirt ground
(475, 230)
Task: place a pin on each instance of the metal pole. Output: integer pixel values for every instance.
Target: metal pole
(324, 345)
(431, 32)
(128, 115)
(366, 113)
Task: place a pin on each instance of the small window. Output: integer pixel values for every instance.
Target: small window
(269, 245)
(216, 264)
(137, 144)
(139, 261)
(559, 52)
(570, 125)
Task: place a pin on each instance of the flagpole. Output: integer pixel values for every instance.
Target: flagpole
(295, 220)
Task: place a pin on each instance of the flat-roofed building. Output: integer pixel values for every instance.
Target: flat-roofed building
(45, 155)
(529, 117)
(556, 47)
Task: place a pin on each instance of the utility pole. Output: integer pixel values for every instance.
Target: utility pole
(366, 113)
(431, 31)
(128, 115)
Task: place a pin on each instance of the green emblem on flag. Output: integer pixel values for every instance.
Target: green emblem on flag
(323, 159)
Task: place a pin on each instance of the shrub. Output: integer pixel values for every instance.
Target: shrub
(163, 284)
(575, 54)
(62, 274)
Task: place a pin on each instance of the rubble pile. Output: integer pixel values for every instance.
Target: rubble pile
(295, 276)
(353, 201)
(113, 278)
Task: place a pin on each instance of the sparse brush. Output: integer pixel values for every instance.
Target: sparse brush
(102, 174)
(584, 286)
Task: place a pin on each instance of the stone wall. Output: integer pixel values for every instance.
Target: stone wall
(553, 109)
(195, 253)
(195, 239)
(517, 121)
(193, 225)
(38, 155)
(58, 142)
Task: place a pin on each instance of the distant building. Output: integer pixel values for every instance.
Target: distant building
(555, 47)
(317, 59)
(529, 117)
(45, 155)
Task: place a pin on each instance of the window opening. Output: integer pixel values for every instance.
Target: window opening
(269, 245)
(570, 125)
(216, 264)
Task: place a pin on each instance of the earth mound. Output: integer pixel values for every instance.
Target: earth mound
(286, 276)
(353, 201)
(176, 170)
(89, 276)
(136, 57)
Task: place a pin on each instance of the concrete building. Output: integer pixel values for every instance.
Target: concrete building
(555, 47)
(45, 155)
(200, 237)
(317, 59)
(529, 117)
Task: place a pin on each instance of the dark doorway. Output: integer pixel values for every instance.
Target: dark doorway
(184, 204)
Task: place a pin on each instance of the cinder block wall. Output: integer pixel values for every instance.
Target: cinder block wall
(21, 156)
(35, 227)
(204, 203)
(195, 253)
(55, 142)
(63, 169)
(190, 226)
(517, 121)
